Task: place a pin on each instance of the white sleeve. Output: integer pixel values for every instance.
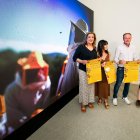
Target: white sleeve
(135, 54)
(117, 54)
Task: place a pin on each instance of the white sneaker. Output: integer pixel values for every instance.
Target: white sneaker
(127, 101)
(115, 102)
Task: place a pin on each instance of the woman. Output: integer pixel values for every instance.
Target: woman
(103, 88)
(83, 53)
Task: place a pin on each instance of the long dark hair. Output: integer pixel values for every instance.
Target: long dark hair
(85, 41)
(100, 47)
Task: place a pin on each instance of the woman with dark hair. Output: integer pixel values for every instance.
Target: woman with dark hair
(102, 87)
(85, 52)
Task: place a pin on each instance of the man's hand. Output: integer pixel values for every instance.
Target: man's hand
(138, 61)
(122, 62)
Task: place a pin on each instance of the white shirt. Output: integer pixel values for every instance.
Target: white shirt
(126, 53)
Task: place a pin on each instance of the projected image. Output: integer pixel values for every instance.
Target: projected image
(37, 41)
(69, 77)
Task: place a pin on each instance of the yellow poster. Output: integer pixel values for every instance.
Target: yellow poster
(93, 68)
(110, 72)
(131, 72)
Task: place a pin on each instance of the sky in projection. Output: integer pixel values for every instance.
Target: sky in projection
(42, 25)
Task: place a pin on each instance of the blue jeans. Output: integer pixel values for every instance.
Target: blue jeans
(120, 76)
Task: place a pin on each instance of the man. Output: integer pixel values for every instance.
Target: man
(124, 53)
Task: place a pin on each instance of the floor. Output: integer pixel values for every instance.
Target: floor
(120, 122)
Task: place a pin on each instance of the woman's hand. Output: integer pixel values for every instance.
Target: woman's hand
(103, 64)
(81, 61)
(100, 59)
(84, 62)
